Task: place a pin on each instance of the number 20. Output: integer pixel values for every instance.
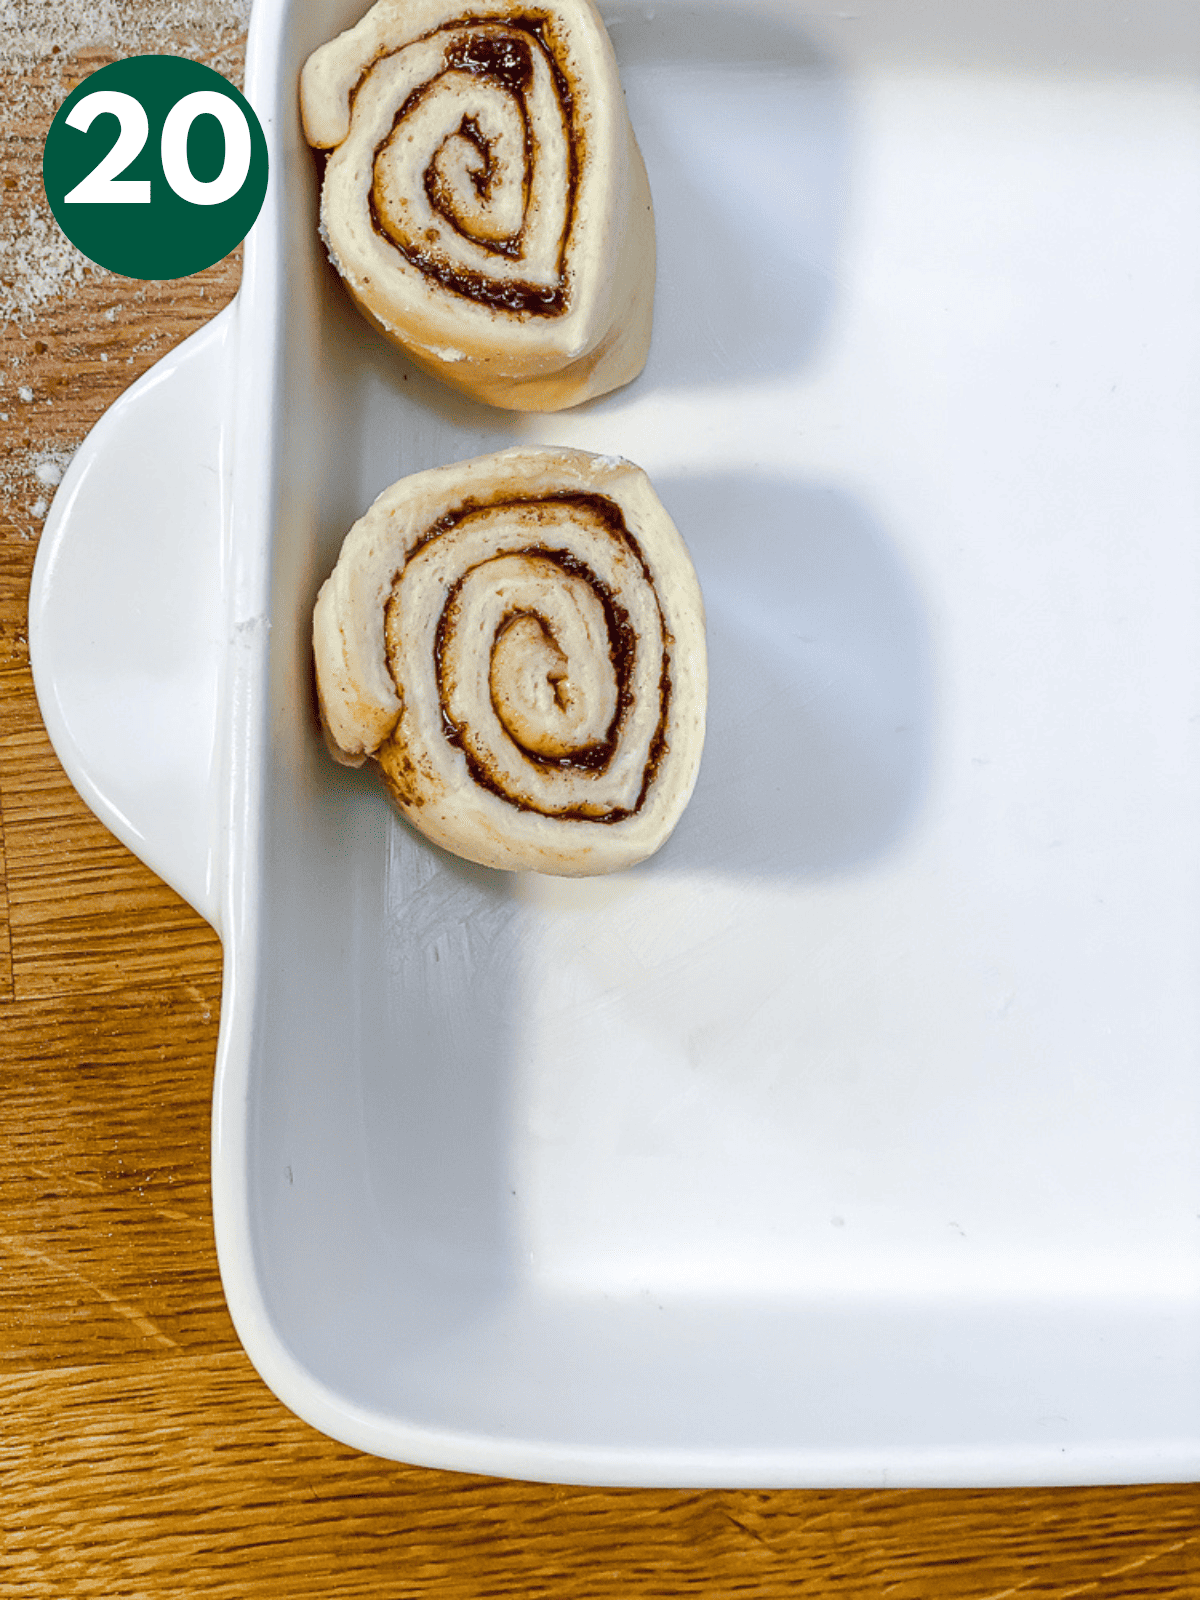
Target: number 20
(103, 185)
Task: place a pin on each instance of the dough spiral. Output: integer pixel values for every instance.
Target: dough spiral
(519, 642)
(484, 199)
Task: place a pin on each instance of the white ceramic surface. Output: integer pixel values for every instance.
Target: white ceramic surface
(854, 1139)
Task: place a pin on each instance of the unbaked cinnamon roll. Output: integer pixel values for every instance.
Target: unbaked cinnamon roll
(484, 198)
(518, 641)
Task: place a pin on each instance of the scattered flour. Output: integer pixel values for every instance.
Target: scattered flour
(32, 472)
(33, 31)
(37, 261)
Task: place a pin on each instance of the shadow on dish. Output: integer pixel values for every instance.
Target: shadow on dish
(820, 712)
(743, 125)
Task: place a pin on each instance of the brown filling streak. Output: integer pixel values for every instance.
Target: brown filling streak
(508, 63)
(622, 647)
(482, 181)
(622, 644)
(506, 60)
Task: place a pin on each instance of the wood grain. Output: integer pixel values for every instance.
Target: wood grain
(140, 1455)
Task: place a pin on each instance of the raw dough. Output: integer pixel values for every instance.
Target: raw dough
(484, 198)
(518, 641)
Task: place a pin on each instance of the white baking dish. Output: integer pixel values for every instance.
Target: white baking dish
(854, 1139)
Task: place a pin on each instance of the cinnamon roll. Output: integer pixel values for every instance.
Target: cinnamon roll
(484, 198)
(518, 641)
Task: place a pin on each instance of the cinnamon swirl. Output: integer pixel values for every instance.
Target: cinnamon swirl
(484, 198)
(518, 641)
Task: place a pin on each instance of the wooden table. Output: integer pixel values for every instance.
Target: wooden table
(140, 1455)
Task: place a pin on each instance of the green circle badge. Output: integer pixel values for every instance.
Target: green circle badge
(155, 167)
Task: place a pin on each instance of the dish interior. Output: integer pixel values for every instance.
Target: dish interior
(862, 1123)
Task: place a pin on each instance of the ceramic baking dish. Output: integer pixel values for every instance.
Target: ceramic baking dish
(855, 1138)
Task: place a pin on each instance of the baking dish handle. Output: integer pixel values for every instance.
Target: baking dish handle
(127, 613)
